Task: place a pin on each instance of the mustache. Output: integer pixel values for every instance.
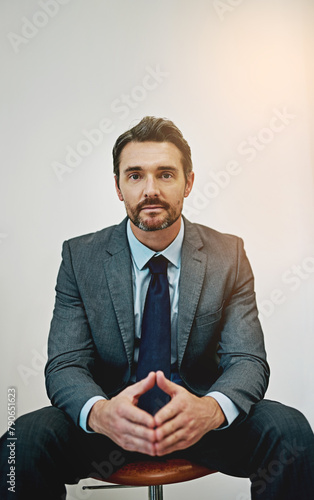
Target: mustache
(153, 201)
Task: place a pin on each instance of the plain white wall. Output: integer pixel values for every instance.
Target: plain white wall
(237, 78)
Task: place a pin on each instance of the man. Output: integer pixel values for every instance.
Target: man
(101, 349)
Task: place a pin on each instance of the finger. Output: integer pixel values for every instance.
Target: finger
(160, 452)
(166, 413)
(137, 431)
(136, 415)
(169, 428)
(172, 443)
(132, 443)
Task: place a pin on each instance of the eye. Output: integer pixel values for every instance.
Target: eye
(167, 175)
(134, 176)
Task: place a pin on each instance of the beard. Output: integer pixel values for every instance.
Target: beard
(156, 221)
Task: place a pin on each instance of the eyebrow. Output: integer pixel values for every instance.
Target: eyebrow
(139, 169)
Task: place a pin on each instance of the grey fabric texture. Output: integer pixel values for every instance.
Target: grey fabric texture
(91, 340)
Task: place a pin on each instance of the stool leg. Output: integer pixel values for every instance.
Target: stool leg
(155, 492)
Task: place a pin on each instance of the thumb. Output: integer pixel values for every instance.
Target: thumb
(166, 385)
(136, 390)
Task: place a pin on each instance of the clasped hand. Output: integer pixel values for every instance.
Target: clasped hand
(176, 426)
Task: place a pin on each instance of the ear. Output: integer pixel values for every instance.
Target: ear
(189, 184)
(118, 189)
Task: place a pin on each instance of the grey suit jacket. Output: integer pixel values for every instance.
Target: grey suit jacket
(91, 340)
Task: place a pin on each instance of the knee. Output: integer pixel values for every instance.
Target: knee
(287, 426)
(41, 426)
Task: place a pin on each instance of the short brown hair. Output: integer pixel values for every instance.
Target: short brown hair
(155, 129)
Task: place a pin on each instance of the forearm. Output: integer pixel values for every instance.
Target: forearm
(244, 381)
(69, 387)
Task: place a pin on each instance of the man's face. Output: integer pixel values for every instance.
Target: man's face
(152, 184)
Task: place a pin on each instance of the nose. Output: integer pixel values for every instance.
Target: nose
(151, 187)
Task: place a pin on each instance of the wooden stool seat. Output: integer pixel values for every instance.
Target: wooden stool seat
(155, 472)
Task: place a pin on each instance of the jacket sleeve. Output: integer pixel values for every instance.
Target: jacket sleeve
(244, 371)
(70, 368)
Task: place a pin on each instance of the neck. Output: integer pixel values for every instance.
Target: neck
(157, 240)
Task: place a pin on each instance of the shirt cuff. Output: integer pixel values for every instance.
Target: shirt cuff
(230, 410)
(85, 412)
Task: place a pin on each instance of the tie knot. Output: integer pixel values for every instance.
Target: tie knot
(158, 265)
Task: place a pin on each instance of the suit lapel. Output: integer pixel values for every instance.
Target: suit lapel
(193, 265)
(118, 270)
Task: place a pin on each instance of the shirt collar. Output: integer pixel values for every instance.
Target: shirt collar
(141, 254)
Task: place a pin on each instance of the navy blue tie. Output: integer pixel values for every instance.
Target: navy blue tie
(155, 345)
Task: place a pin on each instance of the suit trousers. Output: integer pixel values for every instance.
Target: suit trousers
(273, 446)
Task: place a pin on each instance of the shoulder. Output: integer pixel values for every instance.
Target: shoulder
(98, 241)
(223, 252)
(88, 239)
(210, 238)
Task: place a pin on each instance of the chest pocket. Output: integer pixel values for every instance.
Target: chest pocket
(209, 318)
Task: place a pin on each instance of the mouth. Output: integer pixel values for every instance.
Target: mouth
(152, 210)
(152, 207)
